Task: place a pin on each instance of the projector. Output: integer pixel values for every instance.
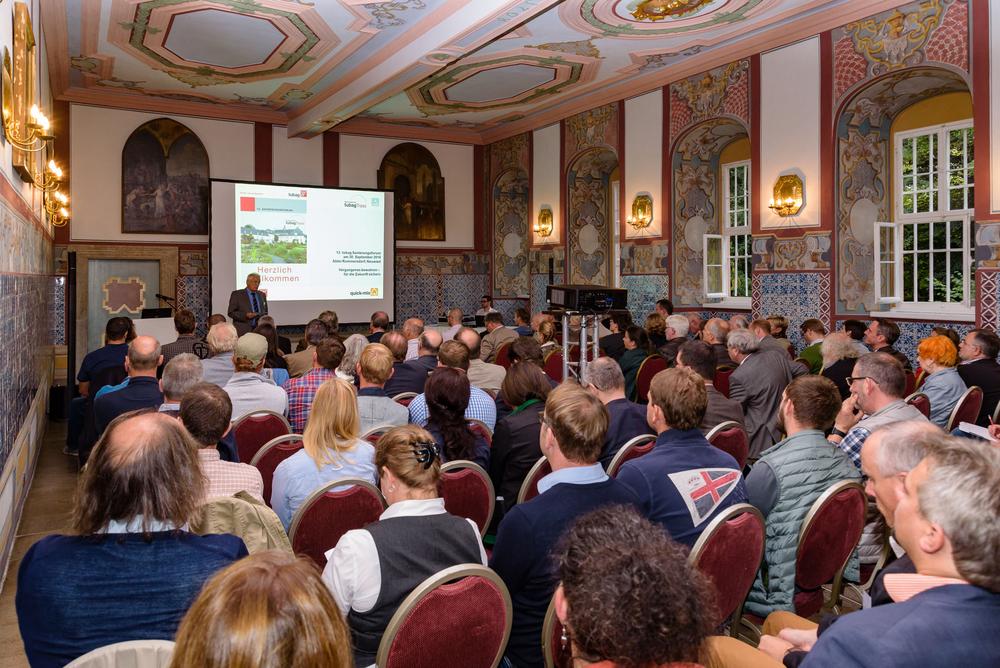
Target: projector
(586, 297)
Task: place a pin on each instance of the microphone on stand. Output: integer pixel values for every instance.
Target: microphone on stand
(164, 298)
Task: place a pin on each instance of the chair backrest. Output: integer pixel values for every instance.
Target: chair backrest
(375, 433)
(404, 398)
(503, 355)
(967, 408)
(252, 431)
(921, 376)
(650, 366)
(911, 383)
(270, 455)
(829, 533)
(632, 449)
(131, 653)
(202, 350)
(480, 428)
(730, 437)
(468, 608)
(554, 654)
(553, 366)
(529, 488)
(326, 515)
(728, 553)
(468, 492)
(721, 380)
(921, 402)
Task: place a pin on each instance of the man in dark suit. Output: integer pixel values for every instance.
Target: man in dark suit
(677, 331)
(714, 334)
(756, 384)
(410, 376)
(377, 326)
(979, 367)
(700, 358)
(613, 344)
(143, 389)
(626, 419)
(881, 335)
(246, 305)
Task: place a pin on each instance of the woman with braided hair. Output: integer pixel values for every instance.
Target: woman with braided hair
(372, 570)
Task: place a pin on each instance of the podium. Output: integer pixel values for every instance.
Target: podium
(162, 329)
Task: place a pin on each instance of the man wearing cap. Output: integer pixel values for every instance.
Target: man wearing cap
(249, 391)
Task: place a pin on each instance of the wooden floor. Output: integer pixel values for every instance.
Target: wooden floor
(46, 511)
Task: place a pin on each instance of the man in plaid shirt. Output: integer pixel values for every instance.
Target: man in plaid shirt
(327, 355)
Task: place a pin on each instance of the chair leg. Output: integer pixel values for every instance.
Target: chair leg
(747, 631)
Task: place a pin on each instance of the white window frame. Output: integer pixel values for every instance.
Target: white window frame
(724, 239)
(941, 162)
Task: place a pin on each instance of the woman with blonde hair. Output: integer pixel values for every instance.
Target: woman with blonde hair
(938, 356)
(546, 336)
(269, 610)
(656, 329)
(839, 355)
(372, 570)
(332, 449)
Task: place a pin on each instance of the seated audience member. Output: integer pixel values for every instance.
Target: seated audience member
(446, 402)
(877, 387)
(332, 322)
(378, 326)
(411, 375)
(412, 329)
(284, 343)
(761, 328)
(779, 330)
(695, 325)
(248, 389)
(496, 335)
(486, 306)
(656, 330)
(856, 330)
(839, 357)
(221, 340)
(485, 376)
(142, 391)
(756, 384)
(275, 358)
(880, 336)
(353, 345)
(538, 318)
(948, 332)
(375, 407)
(107, 363)
(627, 595)
(979, 367)
(684, 482)
(270, 610)
(216, 319)
(179, 375)
(331, 449)
(948, 613)
(813, 332)
(700, 358)
(676, 334)
(522, 322)
(574, 424)
(184, 323)
(454, 324)
(206, 411)
(626, 419)
(664, 308)
(942, 384)
(130, 570)
(714, 334)
(480, 405)
(787, 479)
(372, 570)
(524, 349)
(299, 363)
(546, 337)
(403, 378)
(637, 348)
(327, 355)
(738, 321)
(613, 344)
(515, 441)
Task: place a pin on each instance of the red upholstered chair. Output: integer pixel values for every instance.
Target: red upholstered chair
(729, 437)
(574, 352)
(921, 402)
(553, 366)
(375, 433)
(911, 383)
(458, 618)
(632, 449)
(529, 488)
(327, 515)
(468, 492)
(480, 428)
(404, 398)
(650, 366)
(967, 408)
(252, 431)
(728, 553)
(921, 376)
(552, 650)
(503, 355)
(273, 453)
(721, 380)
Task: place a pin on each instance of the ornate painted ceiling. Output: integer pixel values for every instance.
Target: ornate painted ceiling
(464, 70)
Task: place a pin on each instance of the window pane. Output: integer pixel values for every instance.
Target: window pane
(908, 155)
(940, 292)
(940, 239)
(908, 237)
(923, 278)
(714, 252)
(956, 199)
(923, 162)
(908, 287)
(909, 183)
(907, 203)
(888, 277)
(924, 202)
(955, 227)
(923, 236)
(957, 277)
(956, 149)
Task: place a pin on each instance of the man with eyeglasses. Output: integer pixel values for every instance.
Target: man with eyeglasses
(877, 386)
(485, 306)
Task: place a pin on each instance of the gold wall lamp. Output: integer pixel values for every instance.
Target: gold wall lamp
(544, 224)
(57, 206)
(642, 211)
(50, 179)
(787, 199)
(38, 131)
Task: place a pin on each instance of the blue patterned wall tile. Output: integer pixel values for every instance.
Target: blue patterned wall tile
(911, 333)
(417, 296)
(463, 292)
(507, 306)
(59, 310)
(793, 295)
(192, 294)
(643, 291)
(539, 283)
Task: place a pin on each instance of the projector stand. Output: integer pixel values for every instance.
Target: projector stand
(588, 335)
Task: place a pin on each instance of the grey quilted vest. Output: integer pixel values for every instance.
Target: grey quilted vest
(805, 465)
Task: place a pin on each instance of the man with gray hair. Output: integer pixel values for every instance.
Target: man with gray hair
(738, 321)
(676, 333)
(626, 419)
(179, 375)
(714, 334)
(757, 384)
(142, 391)
(221, 340)
(247, 304)
(412, 329)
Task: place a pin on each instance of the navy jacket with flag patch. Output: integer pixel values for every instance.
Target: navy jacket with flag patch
(684, 482)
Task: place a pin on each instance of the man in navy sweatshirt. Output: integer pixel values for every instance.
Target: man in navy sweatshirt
(572, 436)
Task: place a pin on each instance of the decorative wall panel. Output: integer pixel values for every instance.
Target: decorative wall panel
(723, 91)
(643, 291)
(811, 251)
(509, 167)
(428, 285)
(646, 258)
(797, 296)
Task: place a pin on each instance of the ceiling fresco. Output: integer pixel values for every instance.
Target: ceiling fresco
(463, 70)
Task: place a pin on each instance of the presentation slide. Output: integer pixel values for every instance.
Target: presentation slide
(314, 249)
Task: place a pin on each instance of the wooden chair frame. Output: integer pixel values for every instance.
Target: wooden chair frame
(379, 428)
(953, 416)
(458, 465)
(291, 438)
(548, 651)
(532, 472)
(619, 459)
(319, 492)
(481, 424)
(914, 395)
(404, 395)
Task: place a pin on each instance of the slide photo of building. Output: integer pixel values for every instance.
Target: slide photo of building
(275, 245)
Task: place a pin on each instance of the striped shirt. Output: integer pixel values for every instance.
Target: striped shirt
(227, 478)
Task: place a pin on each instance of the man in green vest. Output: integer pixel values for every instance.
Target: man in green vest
(788, 478)
(813, 332)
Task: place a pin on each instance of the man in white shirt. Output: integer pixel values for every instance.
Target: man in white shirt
(454, 324)
(249, 391)
(412, 329)
(485, 306)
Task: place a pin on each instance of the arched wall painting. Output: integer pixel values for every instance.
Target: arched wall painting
(510, 233)
(589, 235)
(165, 187)
(412, 173)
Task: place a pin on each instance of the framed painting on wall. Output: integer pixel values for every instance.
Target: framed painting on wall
(412, 173)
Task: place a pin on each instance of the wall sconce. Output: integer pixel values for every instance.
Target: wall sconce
(37, 135)
(57, 206)
(642, 211)
(787, 200)
(50, 179)
(544, 223)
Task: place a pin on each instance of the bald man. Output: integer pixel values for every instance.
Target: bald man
(143, 389)
(411, 375)
(412, 329)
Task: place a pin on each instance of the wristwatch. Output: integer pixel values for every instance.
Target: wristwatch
(837, 432)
